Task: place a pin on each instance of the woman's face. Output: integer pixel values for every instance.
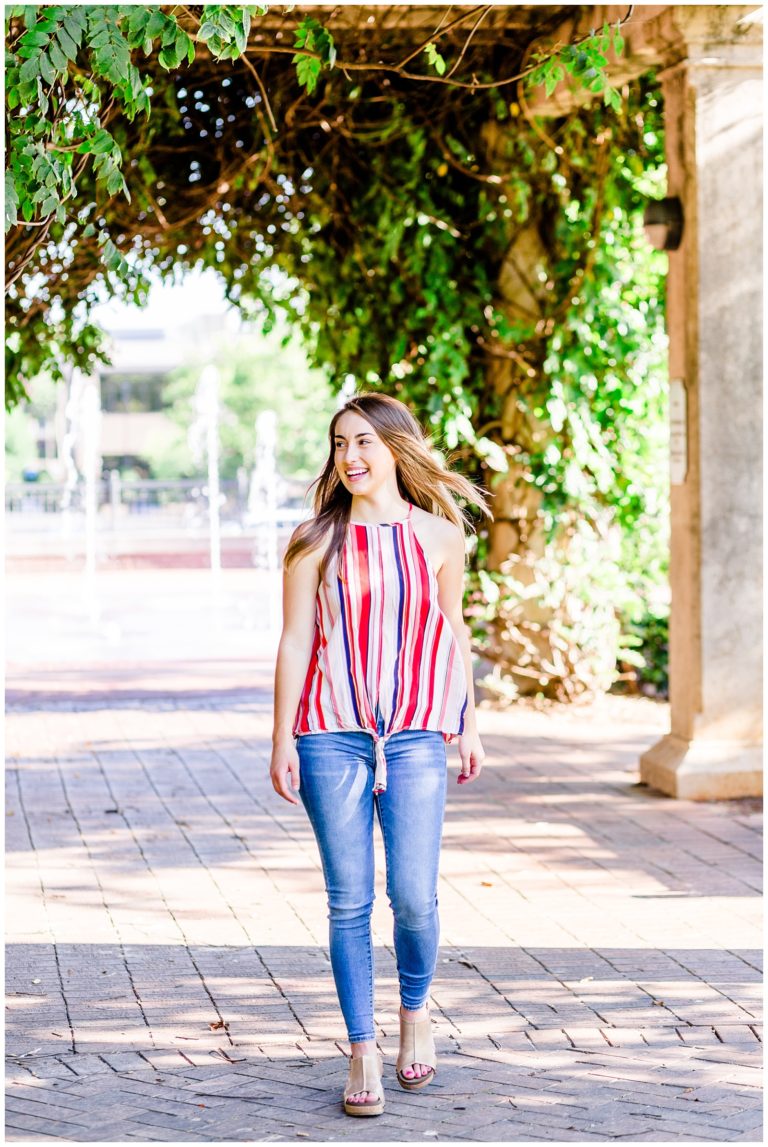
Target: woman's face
(363, 461)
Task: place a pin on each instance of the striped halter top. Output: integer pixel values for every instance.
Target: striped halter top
(382, 645)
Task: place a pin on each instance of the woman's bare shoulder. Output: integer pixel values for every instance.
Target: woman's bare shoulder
(438, 527)
(314, 552)
(441, 539)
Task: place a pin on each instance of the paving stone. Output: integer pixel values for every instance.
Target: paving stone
(64, 1129)
(202, 901)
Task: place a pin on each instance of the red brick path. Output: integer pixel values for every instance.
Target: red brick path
(167, 951)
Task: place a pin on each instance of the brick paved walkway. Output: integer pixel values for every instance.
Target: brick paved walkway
(167, 958)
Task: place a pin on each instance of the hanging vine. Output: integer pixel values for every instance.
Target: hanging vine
(389, 189)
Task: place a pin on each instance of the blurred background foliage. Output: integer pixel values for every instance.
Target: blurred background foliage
(256, 372)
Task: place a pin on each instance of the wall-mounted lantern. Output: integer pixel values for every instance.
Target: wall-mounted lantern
(663, 223)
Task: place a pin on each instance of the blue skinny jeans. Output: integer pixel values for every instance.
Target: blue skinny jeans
(336, 787)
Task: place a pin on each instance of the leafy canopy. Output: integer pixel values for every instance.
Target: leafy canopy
(86, 88)
(377, 191)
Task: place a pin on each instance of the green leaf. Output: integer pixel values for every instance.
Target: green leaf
(57, 57)
(29, 70)
(310, 34)
(102, 142)
(224, 19)
(73, 29)
(556, 74)
(305, 31)
(156, 23)
(32, 39)
(135, 28)
(110, 53)
(167, 59)
(79, 17)
(307, 71)
(170, 33)
(47, 70)
(115, 181)
(110, 255)
(596, 58)
(435, 59)
(133, 83)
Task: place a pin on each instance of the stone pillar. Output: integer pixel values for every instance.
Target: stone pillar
(713, 108)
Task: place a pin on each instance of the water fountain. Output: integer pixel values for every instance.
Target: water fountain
(90, 407)
(207, 405)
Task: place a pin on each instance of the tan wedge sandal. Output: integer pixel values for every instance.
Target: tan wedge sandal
(365, 1073)
(417, 1045)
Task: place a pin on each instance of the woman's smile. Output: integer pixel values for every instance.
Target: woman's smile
(357, 474)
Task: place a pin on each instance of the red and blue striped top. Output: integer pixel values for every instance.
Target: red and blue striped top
(382, 645)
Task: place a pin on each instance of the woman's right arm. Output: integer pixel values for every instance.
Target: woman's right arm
(300, 585)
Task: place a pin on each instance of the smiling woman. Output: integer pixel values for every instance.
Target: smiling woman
(374, 670)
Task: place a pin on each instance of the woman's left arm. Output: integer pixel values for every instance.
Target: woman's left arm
(450, 583)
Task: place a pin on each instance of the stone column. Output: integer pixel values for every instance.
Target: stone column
(713, 107)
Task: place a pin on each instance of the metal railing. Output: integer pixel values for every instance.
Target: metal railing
(137, 503)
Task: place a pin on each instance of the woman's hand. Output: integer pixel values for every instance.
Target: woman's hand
(284, 769)
(472, 757)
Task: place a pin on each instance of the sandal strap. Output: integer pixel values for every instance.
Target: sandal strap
(365, 1073)
(417, 1044)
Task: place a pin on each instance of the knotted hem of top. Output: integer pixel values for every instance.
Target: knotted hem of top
(379, 741)
(380, 773)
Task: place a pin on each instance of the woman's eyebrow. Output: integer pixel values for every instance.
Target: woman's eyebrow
(362, 434)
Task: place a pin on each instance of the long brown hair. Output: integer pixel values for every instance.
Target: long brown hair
(421, 478)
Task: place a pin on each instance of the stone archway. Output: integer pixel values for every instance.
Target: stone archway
(710, 61)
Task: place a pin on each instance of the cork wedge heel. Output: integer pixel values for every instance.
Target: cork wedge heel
(365, 1073)
(417, 1045)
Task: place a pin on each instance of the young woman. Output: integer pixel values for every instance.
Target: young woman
(373, 677)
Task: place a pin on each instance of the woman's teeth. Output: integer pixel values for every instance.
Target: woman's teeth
(356, 475)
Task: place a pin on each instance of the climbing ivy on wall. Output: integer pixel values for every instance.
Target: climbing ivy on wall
(384, 205)
(400, 271)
